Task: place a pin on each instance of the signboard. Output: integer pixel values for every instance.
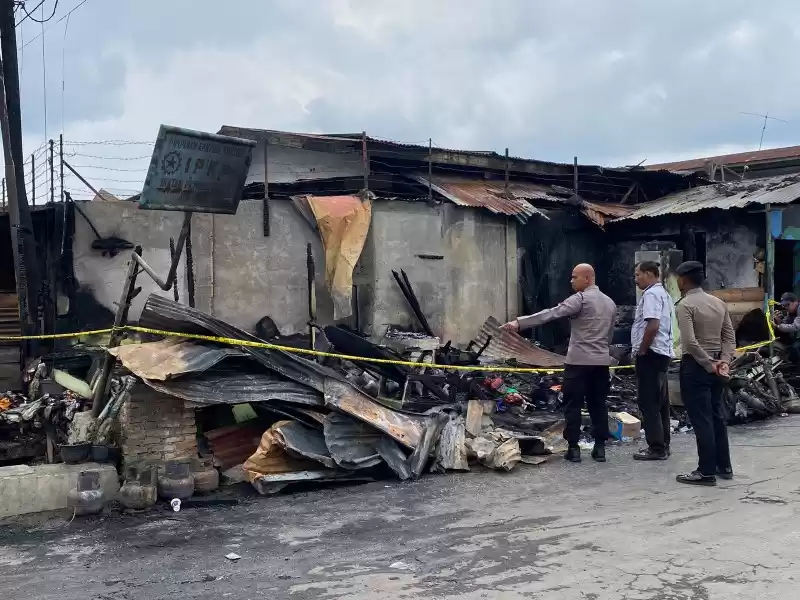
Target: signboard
(196, 171)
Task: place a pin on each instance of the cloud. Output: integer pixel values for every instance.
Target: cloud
(609, 81)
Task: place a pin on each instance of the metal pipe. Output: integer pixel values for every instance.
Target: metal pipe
(173, 269)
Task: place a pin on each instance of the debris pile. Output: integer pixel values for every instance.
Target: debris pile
(35, 429)
(758, 388)
(299, 420)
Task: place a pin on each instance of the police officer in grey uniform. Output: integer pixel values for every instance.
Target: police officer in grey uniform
(586, 375)
(708, 342)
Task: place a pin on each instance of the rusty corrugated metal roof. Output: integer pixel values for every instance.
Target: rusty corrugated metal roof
(507, 345)
(736, 194)
(491, 195)
(171, 357)
(740, 158)
(598, 212)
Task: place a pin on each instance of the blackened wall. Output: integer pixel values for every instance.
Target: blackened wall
(550, 249)
(724, 240)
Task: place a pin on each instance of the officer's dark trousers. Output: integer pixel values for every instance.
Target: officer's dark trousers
(701, 393)
(585, 384)
(651, 377)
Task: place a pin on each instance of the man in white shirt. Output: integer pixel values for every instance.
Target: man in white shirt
(651, 341)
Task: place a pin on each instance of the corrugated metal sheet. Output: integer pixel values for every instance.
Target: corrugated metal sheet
(171, 357)
(741, 158)
(232, 445)
(737, 194)
(164, 314)
(304, 442)
(352, 443)
(507, 345)
(491, 195)
(235, 386)
(404, 428)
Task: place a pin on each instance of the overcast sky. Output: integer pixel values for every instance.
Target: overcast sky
(611, 81)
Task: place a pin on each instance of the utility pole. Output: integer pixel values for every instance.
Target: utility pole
(26, 260)
(52, 172)
(33, 180)
(13, 214)
(4, 193)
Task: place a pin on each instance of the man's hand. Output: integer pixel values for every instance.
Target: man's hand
(511, 326)
(777, 319)
(721, 368)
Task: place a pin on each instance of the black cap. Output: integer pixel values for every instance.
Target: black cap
(689, 267)
(788, 298)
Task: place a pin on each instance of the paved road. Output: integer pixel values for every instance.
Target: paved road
(621, 531)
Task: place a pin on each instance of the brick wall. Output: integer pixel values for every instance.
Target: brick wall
(156, 427)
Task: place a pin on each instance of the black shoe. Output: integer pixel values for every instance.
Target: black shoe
(725, 473)
(599, 452)
(697, 478)
(573, 454)
(650, 454)
(668, 451)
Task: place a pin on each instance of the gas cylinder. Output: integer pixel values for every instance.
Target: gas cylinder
(176, 481)
(139, 490)
(87, 498)
(206, 477)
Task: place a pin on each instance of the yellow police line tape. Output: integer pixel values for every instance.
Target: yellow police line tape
(268, 346)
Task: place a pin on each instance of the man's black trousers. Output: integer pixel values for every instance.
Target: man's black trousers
(701, 393)
(585, 384)
(651, 377)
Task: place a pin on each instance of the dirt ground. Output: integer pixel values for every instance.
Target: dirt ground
(622, 530)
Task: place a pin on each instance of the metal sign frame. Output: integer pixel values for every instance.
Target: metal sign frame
(194, 171)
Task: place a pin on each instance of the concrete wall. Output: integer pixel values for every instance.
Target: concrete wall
(101, 277)
(475, 278)
(242, 276)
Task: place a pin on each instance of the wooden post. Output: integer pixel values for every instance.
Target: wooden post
(769, 265)
(430, 170)
(120, 319)
(575, 176)
(265, 203)
(61, 162)
(312, 296)
(52, 171)
(365, 158)
(190, 267)
(33, 180)
(79, 176)
(505, 188)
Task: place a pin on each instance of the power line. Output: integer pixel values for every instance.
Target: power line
(34, 19)
(21, 5)
(56, 23)
(110, 143)
(44, 69)
(149, 156)
(63, 72)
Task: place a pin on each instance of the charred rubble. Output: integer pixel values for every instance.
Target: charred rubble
(359, 411)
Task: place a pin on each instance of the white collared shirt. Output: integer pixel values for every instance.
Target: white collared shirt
(655, 303)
